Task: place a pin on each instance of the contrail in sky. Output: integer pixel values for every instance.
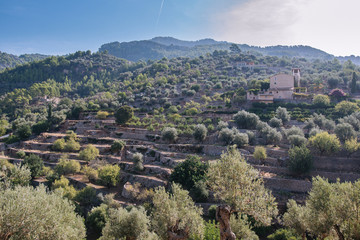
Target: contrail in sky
(161, 7)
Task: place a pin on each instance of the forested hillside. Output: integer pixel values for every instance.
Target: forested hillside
(106, 133)
(10, 60)
(160, 47)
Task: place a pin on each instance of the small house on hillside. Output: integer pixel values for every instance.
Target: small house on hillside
(282, 87)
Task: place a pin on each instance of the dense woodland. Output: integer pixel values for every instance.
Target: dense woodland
(186, 101)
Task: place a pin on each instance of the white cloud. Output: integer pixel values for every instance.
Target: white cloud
(330, 25)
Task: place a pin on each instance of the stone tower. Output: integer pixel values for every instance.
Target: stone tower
(296, 74)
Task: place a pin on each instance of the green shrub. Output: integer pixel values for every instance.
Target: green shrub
(226, 136)
(68, 190)
(241, 139)
(200, 132)
(344, 131)
(199, 192)
(260, 153)
(212, 212)
(124, 114)
(90, 173)
(246, 120)
(211, 231)
(275, 122)
(21, 154)
(282, 113)
(169, 134)
(102, 115)
(66, 166)
(59, 145)
(34, 163)
(300, 160)
(118, 145)
(96, 219)
(284, 234)
(296, 140)
(109, 175)
(325, 143)
(189, 172)
(89, 153)
(138, 160)
(72, 146)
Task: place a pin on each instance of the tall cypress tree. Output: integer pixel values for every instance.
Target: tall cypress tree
(353, 82)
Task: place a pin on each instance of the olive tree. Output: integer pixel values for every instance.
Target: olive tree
(175, 215)
(325, 143)
(133, 224)
(321, 100)
(282, 113)
(123, 114)
(329, 207)
(344, 131)
(48, 215)
(239, 186)
(246, 120)
(169, 134)
(200, 132)
(89, 153)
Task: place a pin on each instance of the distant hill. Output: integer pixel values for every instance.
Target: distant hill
(169, 47)
(9, 60)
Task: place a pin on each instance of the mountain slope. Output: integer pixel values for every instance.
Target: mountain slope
(9, 60)
(169, 47)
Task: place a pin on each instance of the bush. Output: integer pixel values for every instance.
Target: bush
(273, 136)
(138, 160)
(282, 113)
(89, 153)
(90, 173)
(222, 125)
(325, 143)
(21, 154)
(344, 131)
(226, 135)
(34, 163)
(251, 137)
(199, 192)
(118, 145)
(35, 213)
(246, 120)
(321, 100)
(66, 166)
(96, 219)
(189, 172)
(59, 145)
(260, 153)
(211, 231)
(68, 190)
(200, 132)
(314, 131)
(346, 108)
(293, 131)
(18, 175)
(169, 134)
(241, 139)
(284, 234)
(102, 114)
(70, 135)
(124, 224)
(300, 160)
(86, 199)
(351, 145)
(109, 175)
(242, 228)
(275, 122)
(72, 146)
(40, 127)
(296, 140)
(124, 114)
(212, 212)
(23, 131)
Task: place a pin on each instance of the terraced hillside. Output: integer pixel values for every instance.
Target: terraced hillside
(160, 157)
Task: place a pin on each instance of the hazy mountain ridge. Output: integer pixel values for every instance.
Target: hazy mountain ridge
(9, 60)
(159, 47)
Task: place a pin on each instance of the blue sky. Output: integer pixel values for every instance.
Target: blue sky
(61, 27)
